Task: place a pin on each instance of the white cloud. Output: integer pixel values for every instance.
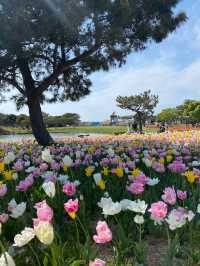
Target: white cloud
(172, 85)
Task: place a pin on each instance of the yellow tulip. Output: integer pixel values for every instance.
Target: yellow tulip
(119, 172)
(89, 170)
(102, 184)
(2, 166)
(169, 158)
(8, 175)
(65, 168)
(162, 161)
(105, 171)
(191, 177)
(136, 172)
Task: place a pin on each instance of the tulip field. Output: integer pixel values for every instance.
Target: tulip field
(101, 201)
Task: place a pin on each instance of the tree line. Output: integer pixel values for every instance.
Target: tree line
(23, 121)
(188, 112)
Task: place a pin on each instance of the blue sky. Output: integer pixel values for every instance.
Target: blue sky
(170, 69)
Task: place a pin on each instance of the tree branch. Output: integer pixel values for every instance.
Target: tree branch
(60, 69)
(14, 84)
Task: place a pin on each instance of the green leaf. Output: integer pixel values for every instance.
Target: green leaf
(78, 263)
(45, 261)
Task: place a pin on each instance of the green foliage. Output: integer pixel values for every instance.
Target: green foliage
(62, 120)
(23, 120)
(167, 115)
(190, 109)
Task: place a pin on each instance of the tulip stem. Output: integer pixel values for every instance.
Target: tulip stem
(35, 254)
(77, 233)
(83, 228)
(168, 236)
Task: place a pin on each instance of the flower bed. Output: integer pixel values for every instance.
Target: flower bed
(76, 201)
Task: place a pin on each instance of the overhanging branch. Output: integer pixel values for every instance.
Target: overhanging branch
(60, 69)
(14, 84)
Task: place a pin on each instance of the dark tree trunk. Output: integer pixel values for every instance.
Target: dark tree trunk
(140, 126)
(37, 123)
(140, 123)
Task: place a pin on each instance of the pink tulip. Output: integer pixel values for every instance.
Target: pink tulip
(177, 167)
(69, 189)
(44, 212)
(104, 234)
(142, 178)
(71, 207)
(25, 184)
(3, 190)
(97, 262)
(169, 196)
(158, 210)
(182, 195)
(4, 218)
(136, 188)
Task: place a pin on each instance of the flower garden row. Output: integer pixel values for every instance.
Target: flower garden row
(95, 201)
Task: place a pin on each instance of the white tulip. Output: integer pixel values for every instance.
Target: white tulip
(139, 219)
(15, 176)
(16, 210)
(44, 232)
(46, 156)
(63, 179)
(6, 260)
(125, 203)
(24, 237)
(97, 178)
(77, 183)
(153, 181)
(10, 157)
(195, 163)
(49, 188)
(111, 152)
(138, 206)
(190, 215)
(30, 169)
(67, 161)
(78, 154)
(109, 207)
(147, 162)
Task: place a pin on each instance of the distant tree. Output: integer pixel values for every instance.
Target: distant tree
(63, 120)
(142, 105)
(167, 115)
(11, 119)
(23, 121)
(3, 119)
(48, 48)
(192, 109)
(71, 119)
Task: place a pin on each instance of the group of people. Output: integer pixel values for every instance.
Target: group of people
(162, 127)
(133, 127)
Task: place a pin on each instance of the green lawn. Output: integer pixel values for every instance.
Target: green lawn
(79, 129)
